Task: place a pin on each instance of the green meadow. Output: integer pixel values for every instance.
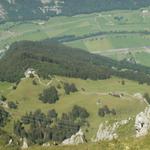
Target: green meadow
(27, 97)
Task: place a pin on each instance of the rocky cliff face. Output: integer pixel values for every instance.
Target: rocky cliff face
(24, 144)
(142, 122)
(76, 139)
(108, 132)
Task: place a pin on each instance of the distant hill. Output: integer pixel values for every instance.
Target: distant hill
(43, 9)
(52, 58)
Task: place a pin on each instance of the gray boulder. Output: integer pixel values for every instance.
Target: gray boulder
(142, 123)
(108, 132)
(25, 144)
(75, 139)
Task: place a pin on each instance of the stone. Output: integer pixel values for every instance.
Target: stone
(30, 72)
(142, 123)
(46, 145)
(10, 141)
(4, 104)
(108, 132)
(75, 139)
(25, 144)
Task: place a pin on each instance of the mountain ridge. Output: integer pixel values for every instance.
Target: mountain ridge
(16, 10)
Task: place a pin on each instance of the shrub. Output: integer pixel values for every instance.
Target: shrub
(3, 117)
(3, 98)
(70, 88)
(49, 95)
(52, 113)
(79, 112)
(105, 110)
(12, 105)
(34, 82)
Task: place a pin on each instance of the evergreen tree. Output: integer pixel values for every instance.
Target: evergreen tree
(49, 95)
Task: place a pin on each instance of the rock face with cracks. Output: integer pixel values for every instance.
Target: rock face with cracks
(25, 144)
(142, 123)
(108, 132)
(75, 139)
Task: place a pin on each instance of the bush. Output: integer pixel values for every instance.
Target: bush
(113, 111)
(79, 112)
(70, 88)
(12, 105)
(123, 82)
(3, 117)
(3, 98)
(52, 113)
(34, 82)
(49, 95)
(105, 110)
(101, 112)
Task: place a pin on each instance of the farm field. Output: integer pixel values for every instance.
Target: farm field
(122, 31)
(94, 91)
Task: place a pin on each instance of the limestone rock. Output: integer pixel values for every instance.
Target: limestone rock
(4, 104)
(75, 139)
(25, 144)
(142, 122)
(10, 142)
(108, 132)
(30, 72)
(46, 145)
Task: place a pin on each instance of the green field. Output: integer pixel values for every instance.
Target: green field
(27, 94)
(111, 44)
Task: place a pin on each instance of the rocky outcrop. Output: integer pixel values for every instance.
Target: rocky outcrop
(30, 72)
(25, 144)
(108, 132)
(46, 145)
(140, 97)
(4, 104)
(76, 139)
(10, 142)
(142, 123)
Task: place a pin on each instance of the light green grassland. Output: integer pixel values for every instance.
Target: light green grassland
(120, 144)
(27, 95)
(5, 88)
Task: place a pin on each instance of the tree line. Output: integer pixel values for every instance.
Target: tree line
(52, 58)
(48, 127)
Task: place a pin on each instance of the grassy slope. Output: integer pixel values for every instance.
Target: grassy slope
(120, 144)
(125, 144)
(27, 96)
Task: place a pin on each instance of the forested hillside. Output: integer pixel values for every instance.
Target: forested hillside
(41, 9)
(50, 58)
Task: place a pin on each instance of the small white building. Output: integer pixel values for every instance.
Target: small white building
(30, 72)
